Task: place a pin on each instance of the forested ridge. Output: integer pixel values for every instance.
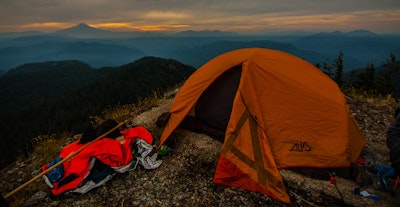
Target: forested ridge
(62, 95)
(33, 84)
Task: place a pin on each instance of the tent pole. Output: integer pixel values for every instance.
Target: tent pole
(63, 160)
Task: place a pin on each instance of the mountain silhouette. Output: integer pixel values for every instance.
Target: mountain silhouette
(83, 30)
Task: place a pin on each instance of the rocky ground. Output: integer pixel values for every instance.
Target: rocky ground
(186, 176)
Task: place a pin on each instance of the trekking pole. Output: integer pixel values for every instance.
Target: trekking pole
(72, 154)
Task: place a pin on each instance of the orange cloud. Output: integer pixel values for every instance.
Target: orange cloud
(124, 26)
(46, 26)
(115, 26)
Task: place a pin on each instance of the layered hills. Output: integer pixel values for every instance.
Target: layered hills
(101, 48)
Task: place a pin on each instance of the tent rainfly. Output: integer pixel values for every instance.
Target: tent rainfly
(271, 110)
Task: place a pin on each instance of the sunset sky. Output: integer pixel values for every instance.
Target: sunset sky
(243, 16)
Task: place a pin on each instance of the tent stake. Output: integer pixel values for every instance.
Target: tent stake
(63, 160)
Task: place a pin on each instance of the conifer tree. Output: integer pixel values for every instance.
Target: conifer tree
(338, 66)
(365, 80)
(386, 81)
(335, 69)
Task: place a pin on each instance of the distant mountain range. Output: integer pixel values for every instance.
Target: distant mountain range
(100, 48)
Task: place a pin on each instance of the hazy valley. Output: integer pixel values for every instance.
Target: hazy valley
(100, 48)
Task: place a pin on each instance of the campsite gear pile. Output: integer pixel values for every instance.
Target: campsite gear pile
(98, 163)
(271, 110)
(378, 171)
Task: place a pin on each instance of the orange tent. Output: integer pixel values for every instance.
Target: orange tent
(271, 110)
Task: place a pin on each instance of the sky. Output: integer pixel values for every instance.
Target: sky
(242, 16)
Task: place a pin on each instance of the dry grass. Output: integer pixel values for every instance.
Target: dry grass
(374, 98)
(49, 146)
(120, 112)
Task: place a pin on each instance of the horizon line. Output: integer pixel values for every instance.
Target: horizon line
(106, 27)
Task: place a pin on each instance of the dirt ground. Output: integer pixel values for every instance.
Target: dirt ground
(186, 176)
